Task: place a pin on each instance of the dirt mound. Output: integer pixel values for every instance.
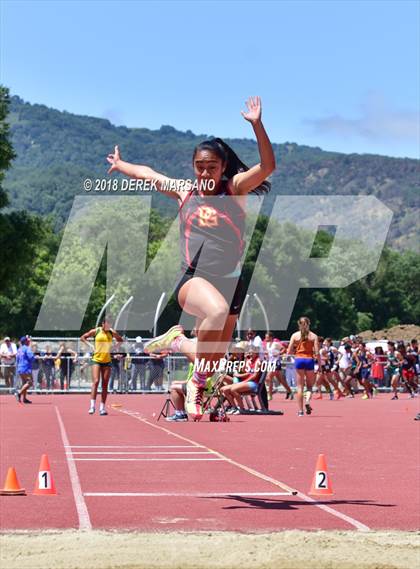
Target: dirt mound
(405, 332)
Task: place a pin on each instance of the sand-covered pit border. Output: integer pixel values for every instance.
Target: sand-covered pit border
(210, 550)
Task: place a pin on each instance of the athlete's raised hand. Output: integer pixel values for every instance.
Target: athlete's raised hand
(113, 159)
(254, 110)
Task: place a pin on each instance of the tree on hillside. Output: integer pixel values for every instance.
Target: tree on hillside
(6, 150)
(24, 241)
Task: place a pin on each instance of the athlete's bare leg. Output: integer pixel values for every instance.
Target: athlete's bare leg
(201, 299)
(106, 372)
(96, 369)
(300, 382)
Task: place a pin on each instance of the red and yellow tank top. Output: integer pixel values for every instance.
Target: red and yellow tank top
(211, 232)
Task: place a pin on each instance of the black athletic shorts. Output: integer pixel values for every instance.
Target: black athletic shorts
(223, 284)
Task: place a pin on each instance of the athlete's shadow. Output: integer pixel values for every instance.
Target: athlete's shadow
(293, 504)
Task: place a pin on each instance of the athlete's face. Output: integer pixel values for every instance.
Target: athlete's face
(208, 166)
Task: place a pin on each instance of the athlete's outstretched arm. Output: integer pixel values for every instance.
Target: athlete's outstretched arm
(244, 182)
(141, 172)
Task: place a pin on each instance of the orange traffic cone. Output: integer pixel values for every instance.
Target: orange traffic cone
(44, 484)
(11, 485)
(321, 483)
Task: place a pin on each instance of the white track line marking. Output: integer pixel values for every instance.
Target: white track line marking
(183, 495)
(145, 452)
(355, 523)
(82, 511)
(147, 459)
(132, 446)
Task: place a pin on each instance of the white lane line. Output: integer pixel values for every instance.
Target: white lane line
(145, 452)
(355, 523)
(82, 511)
(184, 495)
(132, 446)
(147, 459)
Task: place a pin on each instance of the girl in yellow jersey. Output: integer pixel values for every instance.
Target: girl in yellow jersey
(101, 361)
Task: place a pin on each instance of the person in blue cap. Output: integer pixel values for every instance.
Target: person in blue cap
(24, 361)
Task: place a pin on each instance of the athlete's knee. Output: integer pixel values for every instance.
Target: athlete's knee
(219, 313)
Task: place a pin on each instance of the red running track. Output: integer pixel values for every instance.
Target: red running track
(127, 471)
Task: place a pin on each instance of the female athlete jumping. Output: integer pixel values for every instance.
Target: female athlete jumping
(212, 219)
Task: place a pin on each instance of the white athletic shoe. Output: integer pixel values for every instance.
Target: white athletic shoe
(91, 410)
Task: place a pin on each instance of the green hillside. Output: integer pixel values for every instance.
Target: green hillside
(57, 150)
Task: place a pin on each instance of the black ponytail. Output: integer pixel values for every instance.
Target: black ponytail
(233, 163)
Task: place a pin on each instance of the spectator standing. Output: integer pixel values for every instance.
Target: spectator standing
(47, 366)
(268, 340)
(68, 359)
(126, 371)
(156, 366)
(116, 372)
(8, 351)
(138, 368)
(35, 366)
(273, 351)
(380, 360)
(254, 340)
(84, 360)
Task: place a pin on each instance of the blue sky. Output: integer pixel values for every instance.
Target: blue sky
(340, 75)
